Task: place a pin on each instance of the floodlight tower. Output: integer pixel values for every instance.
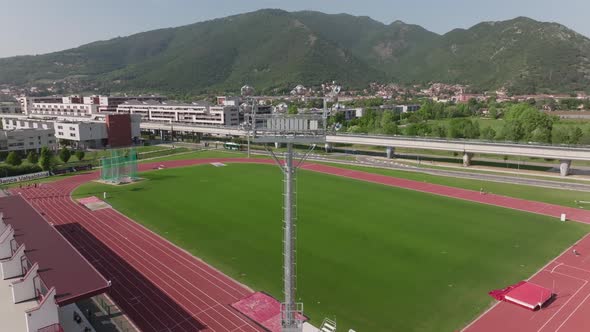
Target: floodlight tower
(247, 93)
(289, 130)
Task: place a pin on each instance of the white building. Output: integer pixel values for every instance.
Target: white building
(77, 105)
(350, 113)
(37, 290)
(110, 103)
(198, 113)
(81, 132)
(27, 139)
(62, 109)
(228, 101)
(27, 102)
(407, 108)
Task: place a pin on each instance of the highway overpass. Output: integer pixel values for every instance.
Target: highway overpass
(565, 154)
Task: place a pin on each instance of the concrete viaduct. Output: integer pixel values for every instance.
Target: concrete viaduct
(468, 148)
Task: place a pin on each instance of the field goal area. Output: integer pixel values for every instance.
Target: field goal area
(120, 167)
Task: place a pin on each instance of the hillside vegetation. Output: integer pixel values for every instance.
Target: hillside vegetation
(273, 50)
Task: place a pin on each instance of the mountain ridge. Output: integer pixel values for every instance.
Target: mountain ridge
(273, 50)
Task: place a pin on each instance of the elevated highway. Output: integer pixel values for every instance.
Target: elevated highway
(565, 154)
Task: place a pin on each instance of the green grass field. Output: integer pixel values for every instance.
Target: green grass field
(553, 196)
(375, 258)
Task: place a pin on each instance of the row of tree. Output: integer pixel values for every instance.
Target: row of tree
(45, 159)
(522, 123)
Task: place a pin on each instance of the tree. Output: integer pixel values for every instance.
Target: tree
(80, 155)
(471, 129)
(575, 135)
(13, 159)
(65, 154)
(388, 125)
(560, 136)
(45, 152)
(488, 133)
(46, 162)
(32, 157)
(292, 109)
(463, 128)
(493, 112)
(46, 159)
(526, 123)
(512, 131)
(439, 131)
(418, 129)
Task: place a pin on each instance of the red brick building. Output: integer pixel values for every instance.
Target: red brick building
(118, 130)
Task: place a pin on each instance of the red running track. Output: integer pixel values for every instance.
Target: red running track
(569, 277)
(163, 288)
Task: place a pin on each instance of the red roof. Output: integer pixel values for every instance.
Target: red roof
(60, 265)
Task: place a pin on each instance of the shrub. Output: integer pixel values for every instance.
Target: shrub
(80, 155)
(14, 159)
(65, 154)
(9, 170)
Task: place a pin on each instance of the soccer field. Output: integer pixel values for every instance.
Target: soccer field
(374, 257)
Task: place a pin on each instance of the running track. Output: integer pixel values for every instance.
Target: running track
(163, 288)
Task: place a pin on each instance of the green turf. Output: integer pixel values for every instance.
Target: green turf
(553, 196)
(376, 258)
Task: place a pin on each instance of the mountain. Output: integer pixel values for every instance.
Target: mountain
(274, 49)
(523, 55)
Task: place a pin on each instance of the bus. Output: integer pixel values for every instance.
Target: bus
(232, 146)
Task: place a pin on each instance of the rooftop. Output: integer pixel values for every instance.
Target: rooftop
(201, 103)
(60, 265)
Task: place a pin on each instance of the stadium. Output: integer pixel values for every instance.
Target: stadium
(218, 242)
(195, 244)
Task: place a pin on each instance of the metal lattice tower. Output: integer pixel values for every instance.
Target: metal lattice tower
(290, 130)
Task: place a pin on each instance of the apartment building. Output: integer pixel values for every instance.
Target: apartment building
(77, 105)
(109, 104)
(198, 113)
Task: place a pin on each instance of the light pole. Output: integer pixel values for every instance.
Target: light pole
(247, 92)
(290, 130)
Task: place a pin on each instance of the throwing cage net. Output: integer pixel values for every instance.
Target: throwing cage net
(120, 167)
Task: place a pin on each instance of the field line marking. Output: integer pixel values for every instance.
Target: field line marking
(577, 268)
(555, 267)
(566, 302)
(573, 311)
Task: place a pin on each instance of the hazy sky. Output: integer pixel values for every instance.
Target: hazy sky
(41, 26)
